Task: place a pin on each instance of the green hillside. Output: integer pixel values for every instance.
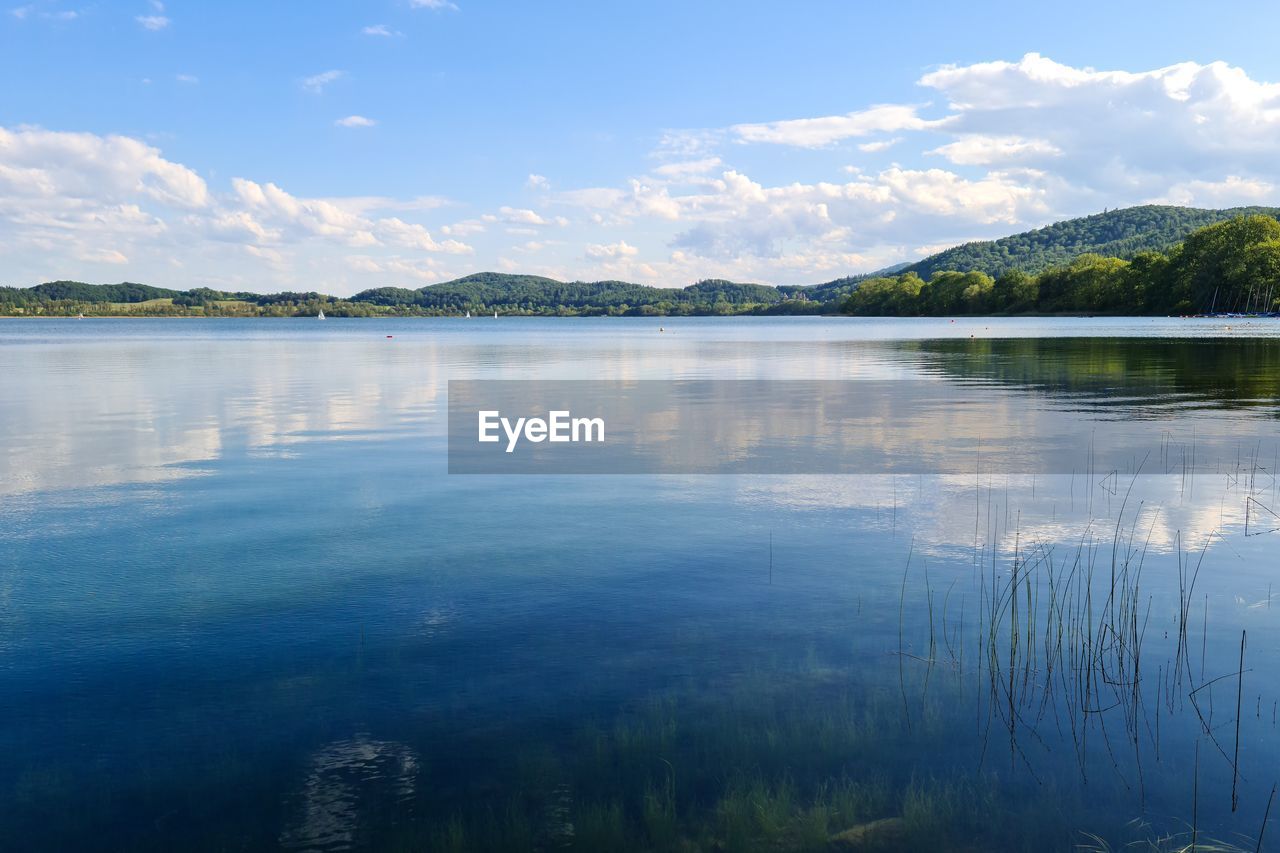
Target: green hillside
(125, 291)
(1115, 234)
(1231, 267)
(498, 291)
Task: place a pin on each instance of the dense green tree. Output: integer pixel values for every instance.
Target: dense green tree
(887, 296)
(1015, 291)
(1215, 268)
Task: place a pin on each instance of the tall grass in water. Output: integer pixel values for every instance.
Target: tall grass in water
(1063, 647)
(1100, 646)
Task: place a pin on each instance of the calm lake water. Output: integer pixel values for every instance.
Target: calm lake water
(244, 606)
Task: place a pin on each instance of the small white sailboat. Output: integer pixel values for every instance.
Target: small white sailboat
(468, 315)
(495, 315)
(80, 316)
(320, 316)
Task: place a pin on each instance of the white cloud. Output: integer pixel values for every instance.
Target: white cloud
(1233, 191)
(538, 182)
(1024, 143)
(1124, 135)
(612, 251)
(186, 78)
(466, 228)
(365, 204)
(687, 169)
(300, 218)
(521, 216)
(426, 270)
(737, 221)
(316, 83)
(65, 167)
(434, 5)
(879, 145)
(979, 149)
(820, 132)
(73, 203)
(155, 21)
(355, 121)
(380, 30)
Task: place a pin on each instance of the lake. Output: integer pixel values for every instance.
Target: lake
(244, 605)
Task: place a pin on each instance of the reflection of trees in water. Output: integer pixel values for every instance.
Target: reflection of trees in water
(1211, 373)
(348, 783)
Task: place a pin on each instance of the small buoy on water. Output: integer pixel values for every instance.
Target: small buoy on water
(660, 329)
(390, 336)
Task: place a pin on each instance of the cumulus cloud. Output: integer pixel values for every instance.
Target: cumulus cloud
(611, 251)
(820, 132)
(1128, 135)
(520, 216)
(1120, 136)
(981, 150)
(63, 168)
(380, 30)
(538, 182)
(355, 121)
(94, 200)
(997, 147)
(313, 217)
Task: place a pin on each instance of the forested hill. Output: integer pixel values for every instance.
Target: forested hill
(533, 294)
(480, 293)
(1230, 267)
(1119, 233)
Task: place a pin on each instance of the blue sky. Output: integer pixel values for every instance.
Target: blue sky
(341, 146)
